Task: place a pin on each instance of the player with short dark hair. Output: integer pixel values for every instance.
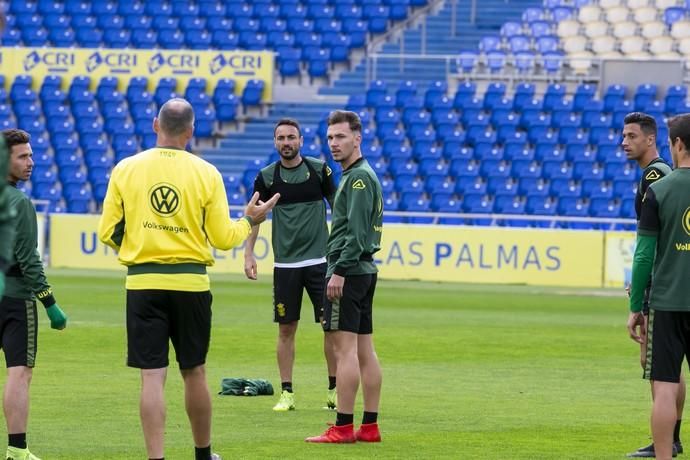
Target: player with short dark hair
(25, 282)
(356, 229)
(7, 216)
(663, 247)
(299, 237)
(639, 144)
(163, 207)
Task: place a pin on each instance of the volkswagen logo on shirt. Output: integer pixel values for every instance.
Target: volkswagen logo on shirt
(164, 199)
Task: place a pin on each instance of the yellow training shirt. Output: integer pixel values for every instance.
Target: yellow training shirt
(163, 208)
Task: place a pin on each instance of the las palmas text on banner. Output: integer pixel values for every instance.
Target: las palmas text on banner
(430, 253)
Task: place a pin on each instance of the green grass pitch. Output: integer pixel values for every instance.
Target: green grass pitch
(473, 372)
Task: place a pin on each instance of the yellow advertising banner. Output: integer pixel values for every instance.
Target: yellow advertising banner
(124, 64)
(492, 255)
(74, 244)
(619, 252)
(431, 253)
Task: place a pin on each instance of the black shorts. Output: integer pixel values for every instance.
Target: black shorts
(353, 312)
(19, 331)
(668, 343)
(156, 316)
(288, 287)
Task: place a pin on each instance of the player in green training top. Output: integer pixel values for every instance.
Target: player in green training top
(639, 144)
(6, 211)
(663, 246)
(300, 232)
(351, 281)
(25, 282)
(6, 217)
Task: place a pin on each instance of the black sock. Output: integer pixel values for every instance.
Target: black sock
(162, 458)
(369, 417)
(331, 382)
(202, 453)
(676, 431)
(17, 440)
(286, 386)
(343, 419)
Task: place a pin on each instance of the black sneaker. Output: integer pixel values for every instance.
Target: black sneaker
(648, 451)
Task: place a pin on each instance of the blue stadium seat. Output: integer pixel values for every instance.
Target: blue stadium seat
(628, 208)
(596, 188)
(377, 16)
(555, 93)
(646, 93)
(675, 97)
(533, 186)
(540, 206)
(464, 92)
(556, 169)
(489, 43)
(500, 186)
(478, 204)
(444, 202)
(495, 61)
(573, 207)
(613, 95)
(464, 168)
(562, 188)
(605, 208)
(471, 186)
(506, 204)
(467, 61)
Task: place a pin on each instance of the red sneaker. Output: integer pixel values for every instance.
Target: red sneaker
(368, 432)
(335, 434)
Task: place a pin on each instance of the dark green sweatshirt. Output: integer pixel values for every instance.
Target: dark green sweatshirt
(25, 277)
(357, 222)
(6, 211)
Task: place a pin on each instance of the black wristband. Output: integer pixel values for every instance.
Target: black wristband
(46, 297)
(249, 220)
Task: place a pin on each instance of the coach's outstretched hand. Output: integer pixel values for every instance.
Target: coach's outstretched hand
(58, 318)
(257, 210)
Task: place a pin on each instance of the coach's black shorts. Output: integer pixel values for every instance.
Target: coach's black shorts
(668, 343)
(288, 287)
(353, 312)
(19, 331)
(155, 316)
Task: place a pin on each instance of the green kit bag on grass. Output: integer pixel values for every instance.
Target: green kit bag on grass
(245, 387)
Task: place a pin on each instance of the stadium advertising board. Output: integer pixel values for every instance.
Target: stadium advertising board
(619, 252)
(125, 64)
(492, 255)
(431, 253)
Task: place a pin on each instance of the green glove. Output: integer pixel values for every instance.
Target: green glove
(58, 318)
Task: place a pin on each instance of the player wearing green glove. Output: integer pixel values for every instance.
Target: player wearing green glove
(25, 282)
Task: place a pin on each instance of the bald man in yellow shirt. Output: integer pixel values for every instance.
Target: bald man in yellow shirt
(162, 210)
